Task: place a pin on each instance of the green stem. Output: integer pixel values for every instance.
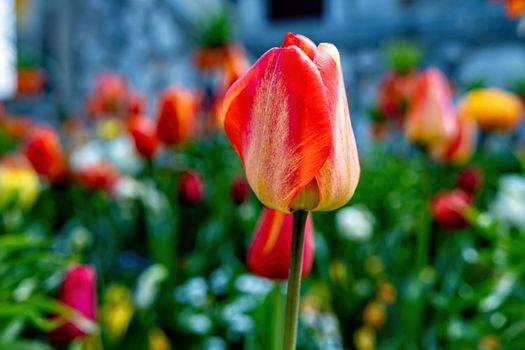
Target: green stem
(294, 280)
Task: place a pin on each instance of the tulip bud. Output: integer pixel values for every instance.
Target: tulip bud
(459, 148)
(144, 136)
(239, 190)
(287, 118)
(493, 109)
(470, 180)
(191, 187)
(269, 251)
(448, 209)
(431, 117)
(176, 116)
(77, 291)
(108, 97)
(395, 94)
(19, 184)
(44, 151)
(101, 176)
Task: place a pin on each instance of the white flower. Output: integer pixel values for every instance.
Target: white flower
(355, 223)
(509, 204)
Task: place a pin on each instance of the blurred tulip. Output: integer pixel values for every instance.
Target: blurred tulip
(431, 117)
(374, 314)
(108, 97)
(176, 116)
(101, 176)
(117, 311)
(269, 251)
(109, 128)
(158, 340)
(470, 180)
(448, 209)
(365, 338)
(287, 118)
(514, 8)
(493, 109)
(191, 187)
(16, 127)
(44, 151)
(19, 184)
(395, 94)
(386, 292)
(77, 291)
(30, 81)
(460, 147)
(144, 137)
(136, 103)
(239, 190)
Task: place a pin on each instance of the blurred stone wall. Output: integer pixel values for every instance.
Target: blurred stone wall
(151, 41)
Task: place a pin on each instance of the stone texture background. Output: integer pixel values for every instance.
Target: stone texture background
(151, 41)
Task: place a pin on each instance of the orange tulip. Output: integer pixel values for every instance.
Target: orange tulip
(431, 118)
(144, 136)
(459, 148)
(493, 109)
(514, 8)
(269, 251)
(44, 151)
(287, 118)
(176, 116)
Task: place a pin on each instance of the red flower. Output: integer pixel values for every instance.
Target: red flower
(239, 190)
(269, 251)
(448, 209)
(176, 116)
(191, 187)
(108, 96)
(470, 180)
(101, 176)
(395, 93)
(144, 136)
(44, 151)
(77, 291)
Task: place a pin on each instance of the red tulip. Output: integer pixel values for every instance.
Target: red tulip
(100, 176)
(395, 93)
(108, 96)
(191, 187)
(239, 190)
(287, 118)
(460, 147)
(144, 136)
(79, 292)
(44, 151)
(176, 116)
(470, 180)
(431, 117)
(269, 251)
(448, 209)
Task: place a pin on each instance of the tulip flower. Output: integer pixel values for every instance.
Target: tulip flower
(19, 184)
(460, 147)
(77, 291)
(176, 116)
(514, 8)
(287, 118)
(269, 251)
(44, 151)
(449, 208)
(395, 94)
(470, 180)
(431, 117)
(101, 176)
(239, 190)
(144, 136)
(109, 96)
(191, 188)
(493, 109)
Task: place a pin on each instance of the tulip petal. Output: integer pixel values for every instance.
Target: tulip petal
(338, 178)
(278, 122)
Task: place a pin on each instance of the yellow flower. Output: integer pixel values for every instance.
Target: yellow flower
(19, 187)
(365, 338)
(374, 314)
(109, 128)
(158, 340)
(117, 311)
(493, 109)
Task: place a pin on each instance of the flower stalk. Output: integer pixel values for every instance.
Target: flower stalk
(294, 280)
